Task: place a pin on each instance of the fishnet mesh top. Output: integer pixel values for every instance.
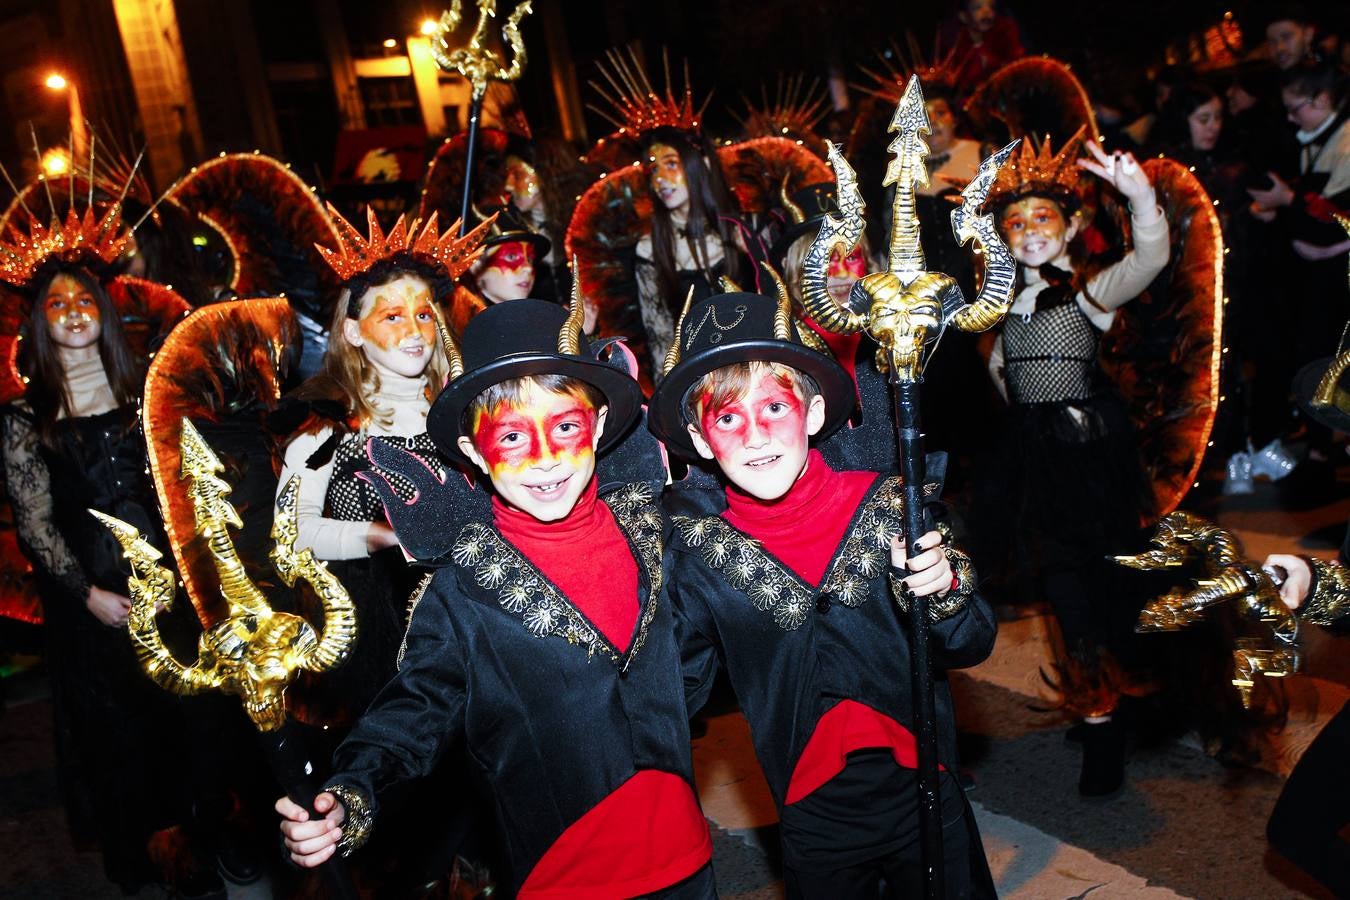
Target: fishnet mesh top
(352, 499)
(1050, 356)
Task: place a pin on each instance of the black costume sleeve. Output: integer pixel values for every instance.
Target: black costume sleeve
(695, 633)
(966, 638)
(29, 486)
(415, 716)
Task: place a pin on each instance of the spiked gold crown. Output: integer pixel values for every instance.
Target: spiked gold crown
(77, 240)
(357, 254)
(1034, 169)
(636, 106)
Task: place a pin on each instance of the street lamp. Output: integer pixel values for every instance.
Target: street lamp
(79, 135)
(428, 27)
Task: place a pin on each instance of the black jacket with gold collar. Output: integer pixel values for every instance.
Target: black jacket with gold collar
(793, 650)
(552, 716)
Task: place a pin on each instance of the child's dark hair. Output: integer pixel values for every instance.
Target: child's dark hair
(512, 390)
(729, 382)
(1311, 79)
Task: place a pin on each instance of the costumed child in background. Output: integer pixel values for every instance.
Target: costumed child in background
(793, 576)
(1069, 488)
(385, 363)
(694, 239)
(543, 644)
(74, 442)
(512, 255)
(807, 208)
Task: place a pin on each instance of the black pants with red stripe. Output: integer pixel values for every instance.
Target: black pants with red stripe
(858, 835)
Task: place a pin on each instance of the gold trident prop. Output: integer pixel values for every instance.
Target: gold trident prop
(1181, 537)
(905, 308)
(480, 65)
(475, 61)
(254, 652)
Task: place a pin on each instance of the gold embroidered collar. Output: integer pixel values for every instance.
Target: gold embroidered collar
(773, 587)
(487, 559)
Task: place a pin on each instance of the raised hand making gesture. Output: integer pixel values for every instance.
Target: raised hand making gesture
(1123, 172)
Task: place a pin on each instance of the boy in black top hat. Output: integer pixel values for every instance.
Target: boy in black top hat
(542, 640)
(794, 577)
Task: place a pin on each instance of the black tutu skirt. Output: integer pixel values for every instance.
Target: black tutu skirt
(1063, 486)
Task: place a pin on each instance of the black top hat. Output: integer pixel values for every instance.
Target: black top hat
(529, 337)
(808, 207)
(1322, 399)
(511, 225)
(732, 328)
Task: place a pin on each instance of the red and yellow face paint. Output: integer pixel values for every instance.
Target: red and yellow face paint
(538, 449)
(509, 258)
(515, 438)
(760, 439)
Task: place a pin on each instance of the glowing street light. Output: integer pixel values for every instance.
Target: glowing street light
(390, 43)
(55, 163)
(428, 27)
(56, 81)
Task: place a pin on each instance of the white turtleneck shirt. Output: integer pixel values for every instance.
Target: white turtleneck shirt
(402, 405)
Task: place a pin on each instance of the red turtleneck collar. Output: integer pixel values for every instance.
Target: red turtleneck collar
(805, 526)
(586, 556)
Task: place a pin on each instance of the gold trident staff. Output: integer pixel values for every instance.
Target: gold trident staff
(254, 652)
(1182, 537)
(905, 310)
(480, 65)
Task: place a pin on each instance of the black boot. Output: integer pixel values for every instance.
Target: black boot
(1103, 772)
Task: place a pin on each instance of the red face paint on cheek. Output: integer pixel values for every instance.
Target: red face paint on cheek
(511, 439)
(771, 415)
(854, 265)
(511, 257)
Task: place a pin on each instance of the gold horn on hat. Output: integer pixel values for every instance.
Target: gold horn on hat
(673, 354)
(728, 286)
(569, 338)
(793, 210)
(448, 343)
(782, 317)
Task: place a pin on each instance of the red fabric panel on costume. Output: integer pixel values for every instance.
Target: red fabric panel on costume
(805, 526)
(586, 556)
(848, 726)
(843, 346)
(647, 835)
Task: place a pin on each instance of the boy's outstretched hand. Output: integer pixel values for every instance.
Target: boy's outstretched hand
(311, 843)
(930, 572)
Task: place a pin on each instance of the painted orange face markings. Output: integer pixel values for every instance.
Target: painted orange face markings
(69, 302)
(398, 314)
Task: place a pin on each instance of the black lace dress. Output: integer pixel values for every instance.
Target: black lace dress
(120, 739)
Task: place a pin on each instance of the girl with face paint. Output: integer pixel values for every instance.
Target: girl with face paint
(73, 442)
(384, 363)
(1068, 469)
(694, 239)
